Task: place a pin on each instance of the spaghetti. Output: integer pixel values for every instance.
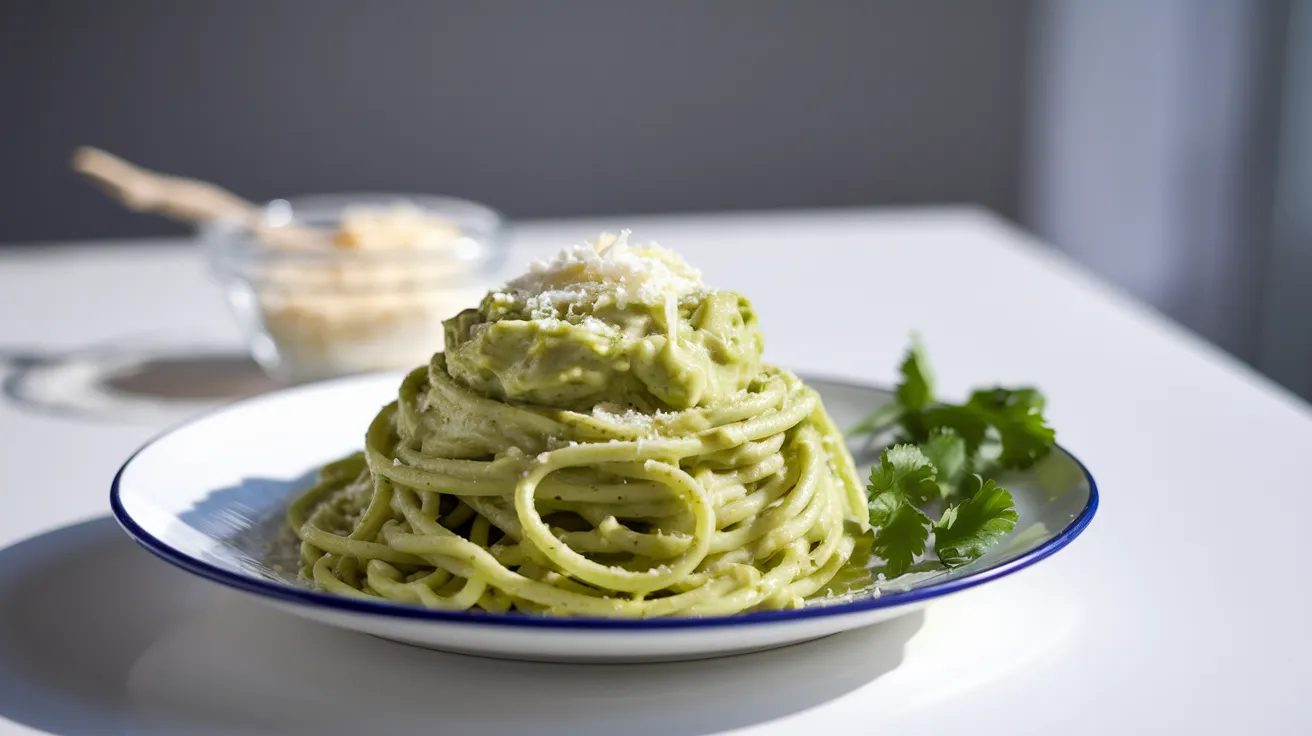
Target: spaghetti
(736, 497)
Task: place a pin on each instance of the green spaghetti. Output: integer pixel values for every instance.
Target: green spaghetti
(599, 438)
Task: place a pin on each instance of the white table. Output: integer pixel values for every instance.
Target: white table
(1182, 609)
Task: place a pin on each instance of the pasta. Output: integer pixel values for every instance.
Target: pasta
(718, 486)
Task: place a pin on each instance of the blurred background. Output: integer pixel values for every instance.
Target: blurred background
(1160, 142)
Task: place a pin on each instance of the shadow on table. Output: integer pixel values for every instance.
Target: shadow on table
(97, 636)
(126, 379)
(78, 606)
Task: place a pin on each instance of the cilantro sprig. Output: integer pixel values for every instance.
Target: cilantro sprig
(900, 483)
(966, 531)
(942, 455)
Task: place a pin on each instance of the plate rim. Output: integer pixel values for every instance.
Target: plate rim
(284, 593)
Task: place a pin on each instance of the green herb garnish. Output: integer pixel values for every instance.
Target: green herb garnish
(942, 458)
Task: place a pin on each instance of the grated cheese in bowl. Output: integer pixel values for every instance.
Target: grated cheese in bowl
(372, 298)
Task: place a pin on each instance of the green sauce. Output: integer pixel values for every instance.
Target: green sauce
(593, 354)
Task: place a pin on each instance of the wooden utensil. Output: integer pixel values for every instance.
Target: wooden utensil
(186, 200)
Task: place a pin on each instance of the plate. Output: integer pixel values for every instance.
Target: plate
(209, 497)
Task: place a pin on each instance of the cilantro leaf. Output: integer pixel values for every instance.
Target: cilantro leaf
(1000, 398)
(916, 391)
(901, 538)
(964, 421)
(904, 472)
(903, 478)
(946, 451)
(1017, 415)
(882, 507)
(968, 529)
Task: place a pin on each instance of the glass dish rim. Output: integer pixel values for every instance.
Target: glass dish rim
(228, 241)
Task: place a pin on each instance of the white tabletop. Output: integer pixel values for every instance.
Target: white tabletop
(1180, 610)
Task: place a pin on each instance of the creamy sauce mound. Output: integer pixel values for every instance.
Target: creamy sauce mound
(607, 323)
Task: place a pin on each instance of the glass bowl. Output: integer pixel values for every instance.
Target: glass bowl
(332, 285)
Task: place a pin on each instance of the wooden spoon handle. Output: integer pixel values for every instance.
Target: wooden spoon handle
(188, 200)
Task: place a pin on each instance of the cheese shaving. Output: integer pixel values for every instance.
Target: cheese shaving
(605, 270)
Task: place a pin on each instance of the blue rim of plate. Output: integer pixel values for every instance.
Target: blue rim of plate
(303, 596)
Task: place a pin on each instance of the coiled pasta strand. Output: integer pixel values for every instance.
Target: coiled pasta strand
(461, 501)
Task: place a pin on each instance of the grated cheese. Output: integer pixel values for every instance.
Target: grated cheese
(606, 269)
(616, 414)
(402, 226)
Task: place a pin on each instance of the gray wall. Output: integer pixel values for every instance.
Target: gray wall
(1287, 332)
(1152, 151)
(540, 108)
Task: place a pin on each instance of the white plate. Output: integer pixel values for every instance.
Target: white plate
(209, 497)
